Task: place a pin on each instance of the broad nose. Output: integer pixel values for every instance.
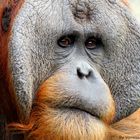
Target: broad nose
(84, 70)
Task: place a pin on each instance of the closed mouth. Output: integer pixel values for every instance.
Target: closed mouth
(79, 110)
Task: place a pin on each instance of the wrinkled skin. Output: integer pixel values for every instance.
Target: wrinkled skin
(34, 52)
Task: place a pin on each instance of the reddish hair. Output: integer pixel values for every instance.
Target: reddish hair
(48, 123)
(8, 106)
(8, 11)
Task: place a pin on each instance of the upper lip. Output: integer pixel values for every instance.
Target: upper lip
(76, 103)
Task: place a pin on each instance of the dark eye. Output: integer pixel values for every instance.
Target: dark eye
(91, 43)
(66, 41)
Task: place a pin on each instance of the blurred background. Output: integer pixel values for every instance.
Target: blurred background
(135, 4)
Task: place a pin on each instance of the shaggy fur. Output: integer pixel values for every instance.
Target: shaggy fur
(49, 121)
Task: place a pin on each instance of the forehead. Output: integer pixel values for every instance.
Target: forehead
(69, 13)
(64, 12)
(58, 16)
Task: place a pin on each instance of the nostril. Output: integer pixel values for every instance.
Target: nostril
(81, 74)
(89, 74)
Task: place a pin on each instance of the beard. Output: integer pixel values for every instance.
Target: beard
(65, 124)
(53, 116)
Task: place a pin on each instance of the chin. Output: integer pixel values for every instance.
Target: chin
(66, 124)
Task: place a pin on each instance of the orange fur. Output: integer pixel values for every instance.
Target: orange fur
(6, 87)
(42, 126)
(8, 107)
(126, 129)
(48, 122)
